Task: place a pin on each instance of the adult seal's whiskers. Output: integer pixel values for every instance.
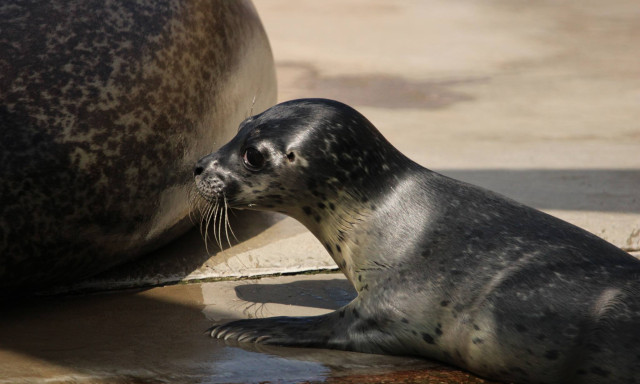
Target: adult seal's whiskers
(443, 269)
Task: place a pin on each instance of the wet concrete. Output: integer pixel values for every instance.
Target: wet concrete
(159, 335)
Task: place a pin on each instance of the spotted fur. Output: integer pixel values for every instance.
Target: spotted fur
(443, 269)
(104, 107)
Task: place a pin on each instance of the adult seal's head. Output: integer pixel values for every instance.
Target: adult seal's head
(443, 269)
(104, 108)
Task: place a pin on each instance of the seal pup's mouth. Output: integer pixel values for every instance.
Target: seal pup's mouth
(211, 213)
(210, 201)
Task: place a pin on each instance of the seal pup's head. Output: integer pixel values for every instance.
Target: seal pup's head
(298, 158)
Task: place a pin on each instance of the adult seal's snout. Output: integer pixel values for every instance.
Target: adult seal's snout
(443, 269)
(104, 109)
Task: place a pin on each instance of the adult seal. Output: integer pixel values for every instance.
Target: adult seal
(104, 108)
(443, 269)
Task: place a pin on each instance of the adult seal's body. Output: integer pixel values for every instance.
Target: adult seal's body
(104, 108)
(443, 269)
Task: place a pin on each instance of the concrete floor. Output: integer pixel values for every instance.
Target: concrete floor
(538, 101)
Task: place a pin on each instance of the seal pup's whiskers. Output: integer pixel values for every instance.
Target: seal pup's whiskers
(227, 227)
(204, 228)
(213, 216)
(202, 210)
(218, 236)
(197, 205)
(204, 216)
(217, 218)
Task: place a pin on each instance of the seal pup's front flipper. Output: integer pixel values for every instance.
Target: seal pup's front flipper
(344, 329)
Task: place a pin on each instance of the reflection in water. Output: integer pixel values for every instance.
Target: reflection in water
(246, 366)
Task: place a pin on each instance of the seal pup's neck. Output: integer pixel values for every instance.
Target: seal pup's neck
(336, 225)
(341, 215)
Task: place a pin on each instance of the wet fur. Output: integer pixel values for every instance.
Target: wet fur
(443, 269)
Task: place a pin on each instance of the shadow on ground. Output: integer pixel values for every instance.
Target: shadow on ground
(604, 190)
(325, 294)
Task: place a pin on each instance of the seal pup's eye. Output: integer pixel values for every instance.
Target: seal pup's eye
(253, 159)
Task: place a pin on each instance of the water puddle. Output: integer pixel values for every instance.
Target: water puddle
(158, 336)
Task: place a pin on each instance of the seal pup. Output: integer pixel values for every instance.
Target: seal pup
(104, 108)
(443, 269)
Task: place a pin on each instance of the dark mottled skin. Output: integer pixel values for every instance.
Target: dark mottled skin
(104, 107)
(443, 269)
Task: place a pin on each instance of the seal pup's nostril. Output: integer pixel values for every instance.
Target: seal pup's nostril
(204, 163)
